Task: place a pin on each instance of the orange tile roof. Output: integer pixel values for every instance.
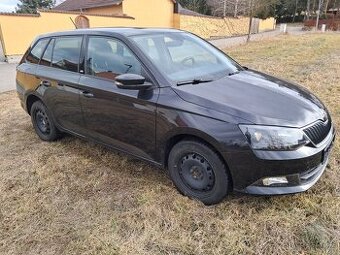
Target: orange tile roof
(73, 5)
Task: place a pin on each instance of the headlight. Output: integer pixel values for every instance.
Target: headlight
(274, 138)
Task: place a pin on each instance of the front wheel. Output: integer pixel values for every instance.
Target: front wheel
(43, 123)
(198, 172)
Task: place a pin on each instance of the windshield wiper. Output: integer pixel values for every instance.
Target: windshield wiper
(233, 73)
(193, 82)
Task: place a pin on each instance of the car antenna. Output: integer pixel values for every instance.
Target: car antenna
(74, 23)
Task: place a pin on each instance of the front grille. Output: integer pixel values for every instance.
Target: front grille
(318, 131)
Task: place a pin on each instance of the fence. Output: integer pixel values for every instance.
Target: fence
(212, 27)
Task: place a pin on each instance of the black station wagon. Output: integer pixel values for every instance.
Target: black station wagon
(173, 99)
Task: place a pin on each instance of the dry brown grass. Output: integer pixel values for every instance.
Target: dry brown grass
(74, 197)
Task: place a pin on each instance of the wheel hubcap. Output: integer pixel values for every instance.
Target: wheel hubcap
(196, 172)
(42, 122)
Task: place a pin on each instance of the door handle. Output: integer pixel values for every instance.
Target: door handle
(46, 83)
(87, 94)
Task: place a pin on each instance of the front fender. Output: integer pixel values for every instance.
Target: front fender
(221, 135)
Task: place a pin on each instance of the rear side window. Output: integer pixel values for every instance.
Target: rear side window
(46, 60)
(66, 53)
(36, 52)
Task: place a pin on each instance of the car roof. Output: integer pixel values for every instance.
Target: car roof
(125, 31)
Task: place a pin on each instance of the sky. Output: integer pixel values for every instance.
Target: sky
(9, 5)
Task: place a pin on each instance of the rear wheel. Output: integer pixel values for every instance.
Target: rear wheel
(198, 172)
(43, 123)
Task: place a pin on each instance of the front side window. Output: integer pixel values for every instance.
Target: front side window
(35, 54)
(108, 58)
(184, 57)
(66, 54)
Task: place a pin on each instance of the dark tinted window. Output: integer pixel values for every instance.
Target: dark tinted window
(35, 54)
(108, 58)
(47, 57)
(66, 53)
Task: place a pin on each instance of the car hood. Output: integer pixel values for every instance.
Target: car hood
(258, 98)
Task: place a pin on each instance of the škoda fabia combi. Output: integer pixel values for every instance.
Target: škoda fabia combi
(171, 98)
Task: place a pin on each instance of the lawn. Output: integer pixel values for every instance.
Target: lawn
(74, 197)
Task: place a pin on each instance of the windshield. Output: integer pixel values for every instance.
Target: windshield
(184, 57)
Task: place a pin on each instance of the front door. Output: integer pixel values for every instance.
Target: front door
(124, 119)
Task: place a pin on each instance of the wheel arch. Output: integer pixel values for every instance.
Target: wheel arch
(203, 138)
(30, 100)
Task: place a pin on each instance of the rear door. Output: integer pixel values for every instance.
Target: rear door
(26, 80)
(59, 74)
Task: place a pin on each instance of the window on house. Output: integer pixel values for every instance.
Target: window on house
(66, 53)
(108, 58)
(35, 54)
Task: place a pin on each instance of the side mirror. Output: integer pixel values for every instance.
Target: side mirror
(132, 81)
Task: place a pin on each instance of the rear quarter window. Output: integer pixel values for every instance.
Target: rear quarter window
(46, 59)
(36, 52)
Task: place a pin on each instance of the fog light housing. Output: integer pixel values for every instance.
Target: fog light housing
(275, 181)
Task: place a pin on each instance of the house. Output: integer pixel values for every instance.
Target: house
(147, 13)
(18, 30)
(110, 7)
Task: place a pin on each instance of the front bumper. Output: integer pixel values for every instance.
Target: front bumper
(306, 181)
(301, 168)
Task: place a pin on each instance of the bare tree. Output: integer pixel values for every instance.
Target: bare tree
(326, 6)
(295, 10)
(308, 10)
(250, 19)
(228, 7)
(236, 8)
(318, 14)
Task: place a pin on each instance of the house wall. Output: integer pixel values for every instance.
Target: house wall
(107, 10)
(150, 13)
(19, 31)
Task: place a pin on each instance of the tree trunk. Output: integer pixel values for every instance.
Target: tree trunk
(326, 6)
(250, 19)
(296, 3)
(308, 9)
(236, 8)
(318, 16)
(224, 8)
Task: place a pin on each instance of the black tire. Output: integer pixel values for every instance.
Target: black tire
(43, 122)
(198, 172)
